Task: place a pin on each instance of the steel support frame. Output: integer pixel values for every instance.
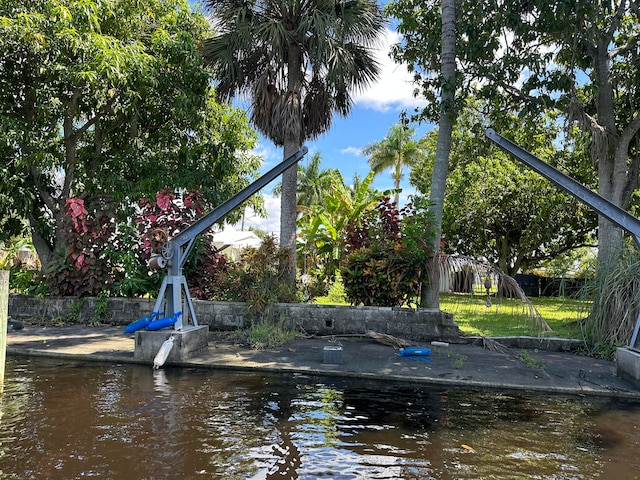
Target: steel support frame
(170, 300)
(174, 293)
(601, 205)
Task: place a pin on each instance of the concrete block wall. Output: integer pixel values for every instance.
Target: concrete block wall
(416, 325)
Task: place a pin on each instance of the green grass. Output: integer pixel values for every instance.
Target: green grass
(506, 317)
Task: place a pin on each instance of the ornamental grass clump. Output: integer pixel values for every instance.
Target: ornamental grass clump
(615, 300)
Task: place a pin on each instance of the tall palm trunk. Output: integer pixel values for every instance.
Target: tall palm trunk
(430, 294)
(288, 209)
(396, 182)
(289, 199)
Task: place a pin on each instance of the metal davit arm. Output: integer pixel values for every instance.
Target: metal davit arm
(600, 204)
(604, 207)
(175, 284)
(181, 244)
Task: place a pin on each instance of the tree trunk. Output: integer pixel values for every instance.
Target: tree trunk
(612, 160)
(292, 118)
(288, 209)
(396, 182)
(43, 250)
(431, 297)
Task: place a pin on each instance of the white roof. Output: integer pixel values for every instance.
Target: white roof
(236, 238)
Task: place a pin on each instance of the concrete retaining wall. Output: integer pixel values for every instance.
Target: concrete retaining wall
(416, 325)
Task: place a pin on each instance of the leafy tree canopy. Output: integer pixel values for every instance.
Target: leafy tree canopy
(499, 209)
(108, 97)
(578, 57)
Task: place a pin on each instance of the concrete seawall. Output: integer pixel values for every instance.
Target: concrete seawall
(413, 324)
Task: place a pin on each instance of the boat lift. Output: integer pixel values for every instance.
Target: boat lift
(604, 207)
(172, 253)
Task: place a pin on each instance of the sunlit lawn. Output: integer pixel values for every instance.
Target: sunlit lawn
(508, 317)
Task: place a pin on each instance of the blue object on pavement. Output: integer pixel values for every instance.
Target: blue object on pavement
(163, 322)
(415, 353)
(142, 322)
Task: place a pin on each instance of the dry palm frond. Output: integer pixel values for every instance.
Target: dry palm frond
(495, 346)
(449, 265)
(386, 339)
(303, 332)
(383, 338)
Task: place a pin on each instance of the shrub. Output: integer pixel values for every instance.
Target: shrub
(84, 268)
(174, 213)
(382, 265)
(258, 277)
(615, 295)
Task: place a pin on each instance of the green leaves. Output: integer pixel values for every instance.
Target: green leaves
(397, 150)
(385, 254)
(499, 209)
(110, 96)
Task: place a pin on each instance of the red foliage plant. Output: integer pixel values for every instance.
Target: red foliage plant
(173, 213)
(84, 268)
(378, 267)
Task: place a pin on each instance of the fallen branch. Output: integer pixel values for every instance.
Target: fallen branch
(383, 338)
(386, 339)
(495, 346)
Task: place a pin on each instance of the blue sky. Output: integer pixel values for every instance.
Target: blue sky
(374, 112)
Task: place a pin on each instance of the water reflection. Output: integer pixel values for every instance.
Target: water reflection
(77, 420)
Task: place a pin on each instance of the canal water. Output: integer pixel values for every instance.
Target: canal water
(76, 420)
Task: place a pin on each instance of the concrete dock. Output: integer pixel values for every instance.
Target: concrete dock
(539, 370)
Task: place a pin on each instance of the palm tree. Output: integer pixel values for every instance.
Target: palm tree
(430, 295)
(298, 61)
(397, 150)
(323, 224)
(313, 183)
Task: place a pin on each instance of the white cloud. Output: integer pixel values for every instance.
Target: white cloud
(271, 224)
(394, 88)
(352, 151)
(268, 152)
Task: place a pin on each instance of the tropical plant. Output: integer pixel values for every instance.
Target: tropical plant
(256, 278)
(386, 254)
(322, 227)
(299, 62)
(398, 149)
(84, 269)
(313, 183)
(171, 213)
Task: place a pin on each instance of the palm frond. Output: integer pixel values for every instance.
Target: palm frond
(446, 266)
(387, 339)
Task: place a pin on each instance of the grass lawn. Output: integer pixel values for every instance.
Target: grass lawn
(506, 317)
